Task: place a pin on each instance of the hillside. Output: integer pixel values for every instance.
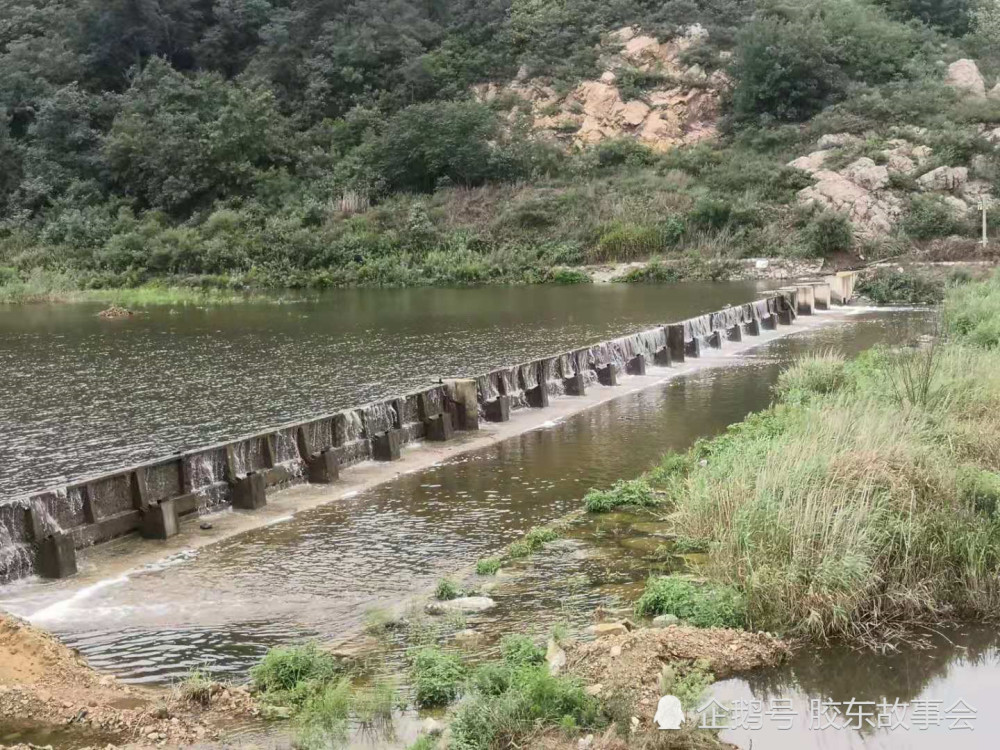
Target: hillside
(284, 143)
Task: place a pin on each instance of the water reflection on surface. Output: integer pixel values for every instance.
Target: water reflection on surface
(961, 665)
(79, 394)
(315, 575)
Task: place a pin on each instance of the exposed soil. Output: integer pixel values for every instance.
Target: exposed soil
(45, 684)
(629, 664)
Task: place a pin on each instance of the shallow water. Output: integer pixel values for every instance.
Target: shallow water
(317, 573)
(79, 394)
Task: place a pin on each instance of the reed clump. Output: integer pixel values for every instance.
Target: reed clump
(864, 502)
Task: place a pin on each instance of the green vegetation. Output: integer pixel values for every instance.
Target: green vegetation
(886, 286)
(447, 590)
(488, 566)
(508, 701)
(689, 682)
(196, 688)
(436, 676)
(701, 605)
(246, 144)
(634, 493)
(287, 668)
(534, 540)
(863, 502)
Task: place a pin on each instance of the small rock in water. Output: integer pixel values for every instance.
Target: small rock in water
(114, 312)
(607, 628)
(468, 637)
(432, 727)
(662, 621)
(669, 713)
(205, 526)
(555, 657)
(462, 604)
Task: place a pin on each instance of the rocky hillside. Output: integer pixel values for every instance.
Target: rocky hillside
(645, 92)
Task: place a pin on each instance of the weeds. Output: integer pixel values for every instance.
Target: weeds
(702, 605)
(447, 590)
(886, 286)
(197, 688)
(488, 566)
(284, 669)
(631, 493)
(436, 676)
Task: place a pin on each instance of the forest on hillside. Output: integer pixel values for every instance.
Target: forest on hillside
(301, 143)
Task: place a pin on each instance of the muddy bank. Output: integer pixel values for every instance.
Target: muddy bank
(49, 688)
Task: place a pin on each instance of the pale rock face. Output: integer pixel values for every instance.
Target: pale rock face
(811, 163)
(964, 76)
(975, 191)
(669, 713)
(900, 163)
(608, 77)
(836, 140)
(957, 206)
(921, 153)
(642, 46)
(555, 657)
(607, 628)
(944, 178)
(635, 112)
(867, 174)
(994, 92)
(993, 136)
(623, 34)
(696, 32)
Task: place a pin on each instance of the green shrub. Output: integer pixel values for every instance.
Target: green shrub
(286, 667)
(887, 286)
(568, 276)
(928, 216)
(539, 536)
(815, 374)
(322, 721)
(624, 241)
(980, 489)
(632, 492)
(623, 152)
(435, 675)
(520, 651)
(688, 682)
(518, 549)
(488, 566)
(197, 688)
(829, 233)
(446, 590)
(705, 605)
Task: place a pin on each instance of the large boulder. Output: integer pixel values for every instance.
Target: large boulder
(867, 174)
(811, 163)
(994, 92)
(836, 140)
(944, 178)
(462, 604)
(964, 76)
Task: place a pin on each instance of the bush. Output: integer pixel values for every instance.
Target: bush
(705, 605)
(829, 233)
(488, 566)
(286, 667)
(435, 675)
(632, 493)
(520, 651)
(887, 286)
(622, 241)
(539, 536)
(816, 374)
(446, 590)
(928, 216)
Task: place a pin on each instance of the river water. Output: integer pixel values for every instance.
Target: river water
(79, 394)
(317, 574)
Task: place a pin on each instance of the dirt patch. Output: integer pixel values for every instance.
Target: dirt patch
(629, 664)
(45, 684)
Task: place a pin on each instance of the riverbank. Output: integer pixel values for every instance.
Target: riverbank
(862, 505)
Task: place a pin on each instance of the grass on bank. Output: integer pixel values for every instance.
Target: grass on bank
(864, 501)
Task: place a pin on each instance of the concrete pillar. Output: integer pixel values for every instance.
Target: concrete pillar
(752, 328)
(675, 342)
(537, 397)
(715, 340)
(497, 410)
(608, 375)
(323, 467)
(769, 323)
(56, 556)
(821, 295)
(785, 317)
(159, 521)
(662, 357)
(387, 445)
(692, 348)
(805, 301)
(462, 403)
(735, 333)
(250, 492)
(575, 385)
(89, 506)
(636, 365)
(439, 428)
(426, 408)
(140, 493)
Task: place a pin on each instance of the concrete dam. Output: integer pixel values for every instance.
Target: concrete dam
(41, 532)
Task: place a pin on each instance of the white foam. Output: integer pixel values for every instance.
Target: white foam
(59, 610)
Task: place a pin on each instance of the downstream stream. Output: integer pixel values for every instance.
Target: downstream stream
(316, 574)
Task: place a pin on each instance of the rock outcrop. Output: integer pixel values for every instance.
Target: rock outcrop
(964, 76)
(863, 190)
(682, 109)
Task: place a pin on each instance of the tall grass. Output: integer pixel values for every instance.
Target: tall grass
(864, 502)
